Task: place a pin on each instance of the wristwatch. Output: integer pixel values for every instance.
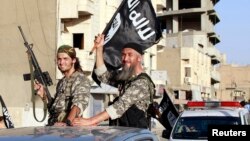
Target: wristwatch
(68, 122)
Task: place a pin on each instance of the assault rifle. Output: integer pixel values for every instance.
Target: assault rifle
(42, 77)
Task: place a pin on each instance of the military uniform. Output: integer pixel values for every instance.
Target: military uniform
(69, 92)
(134, 99)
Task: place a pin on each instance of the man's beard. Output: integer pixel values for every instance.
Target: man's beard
(125, 73)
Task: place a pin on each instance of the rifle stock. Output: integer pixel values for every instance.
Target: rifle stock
(42, 77)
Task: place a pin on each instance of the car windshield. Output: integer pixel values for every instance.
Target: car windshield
(197, 127)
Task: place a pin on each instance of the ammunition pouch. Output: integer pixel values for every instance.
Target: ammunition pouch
(57, 118)
(133, 117)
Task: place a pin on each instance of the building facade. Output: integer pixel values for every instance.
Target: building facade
(235, 83)
(190, 56)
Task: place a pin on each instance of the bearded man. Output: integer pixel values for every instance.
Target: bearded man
(135, 88)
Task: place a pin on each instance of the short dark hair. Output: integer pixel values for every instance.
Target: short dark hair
(137, 47)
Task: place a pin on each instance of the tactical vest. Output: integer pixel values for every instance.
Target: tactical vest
(62, 115)
(134, 117)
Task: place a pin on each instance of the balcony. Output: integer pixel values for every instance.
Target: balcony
(187, 38)
(86, 7)
(186, 53)
(215, 77)
(213, 38)
(215, 1)
(213, 16)
(182, 12)
(160, 5)
(74, 8)
(214, 54)
(68, 9)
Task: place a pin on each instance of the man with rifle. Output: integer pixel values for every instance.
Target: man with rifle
(72, 91)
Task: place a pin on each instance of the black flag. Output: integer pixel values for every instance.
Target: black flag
(169, 114)
(134, 21)
(6, 116)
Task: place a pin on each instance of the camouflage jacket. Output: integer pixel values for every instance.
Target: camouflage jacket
(134, 91)
(72, 91)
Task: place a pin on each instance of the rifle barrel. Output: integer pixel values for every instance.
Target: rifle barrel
(36, 67)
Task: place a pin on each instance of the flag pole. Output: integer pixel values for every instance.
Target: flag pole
(108, 25)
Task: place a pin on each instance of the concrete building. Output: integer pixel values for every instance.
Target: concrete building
(190, 56)
(235, 82)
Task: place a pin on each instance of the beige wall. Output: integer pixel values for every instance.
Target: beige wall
(234, 78)
(38, 21)
(169, 60)
(190, 47)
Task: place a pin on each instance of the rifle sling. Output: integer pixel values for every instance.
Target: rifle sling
(33, 93)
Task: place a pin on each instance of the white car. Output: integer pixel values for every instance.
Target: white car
(192, 124)
(93, 133)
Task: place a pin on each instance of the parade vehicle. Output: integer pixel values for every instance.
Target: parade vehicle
(192, 124)
(68, 133)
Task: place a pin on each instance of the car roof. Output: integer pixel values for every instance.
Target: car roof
(232, 112)
(92, 133)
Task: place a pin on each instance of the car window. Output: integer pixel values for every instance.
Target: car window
(196, 127)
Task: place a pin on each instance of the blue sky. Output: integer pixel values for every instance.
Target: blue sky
(234, 30)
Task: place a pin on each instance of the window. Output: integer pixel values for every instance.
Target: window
(187, 71)
(176, 94)
(247, 119)
(189, 95)
(78, 40)
(201, 125)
